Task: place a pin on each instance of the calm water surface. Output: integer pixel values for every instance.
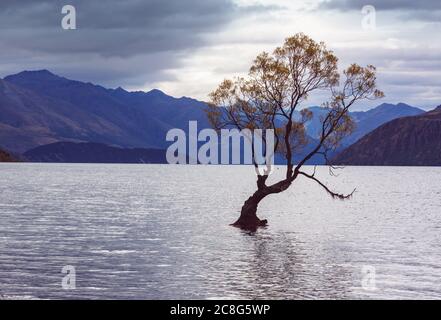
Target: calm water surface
(161, 232)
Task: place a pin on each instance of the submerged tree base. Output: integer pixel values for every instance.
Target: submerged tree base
(248, 219)
(250, 223)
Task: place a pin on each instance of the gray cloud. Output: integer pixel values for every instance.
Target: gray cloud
(114, 39)
(112, 27)
(382, 5)
(429, 10)
(411, 75)
(190, 45)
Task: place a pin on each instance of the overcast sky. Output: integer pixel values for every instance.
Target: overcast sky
(186, 47)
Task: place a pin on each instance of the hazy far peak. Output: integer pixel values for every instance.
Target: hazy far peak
(437, 109)
(42, 76)
(401, 105)
(42, 72)
(380, 107)
(155, 92)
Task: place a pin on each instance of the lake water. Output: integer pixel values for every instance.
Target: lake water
(161, 232)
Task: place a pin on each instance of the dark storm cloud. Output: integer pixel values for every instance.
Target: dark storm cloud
(382, 4)
(113, 27)
(429, 10)
(113, 39)
(114, 13)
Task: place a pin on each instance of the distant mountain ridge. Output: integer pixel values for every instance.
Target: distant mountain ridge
(365, 121)
(39, 108)
(373, 118)
(87, 152)
(408, 141)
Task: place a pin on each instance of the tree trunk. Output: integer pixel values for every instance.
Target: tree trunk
(248, 219)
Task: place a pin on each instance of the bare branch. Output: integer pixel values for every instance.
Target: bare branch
(334, 195)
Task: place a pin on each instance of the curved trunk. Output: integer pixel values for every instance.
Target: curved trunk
(248, 219)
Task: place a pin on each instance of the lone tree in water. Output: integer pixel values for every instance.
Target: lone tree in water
(268, 98)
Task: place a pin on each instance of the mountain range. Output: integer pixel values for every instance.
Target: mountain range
(39, 108)
(365, 121)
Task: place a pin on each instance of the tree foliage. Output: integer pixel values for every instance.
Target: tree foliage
(277, 85)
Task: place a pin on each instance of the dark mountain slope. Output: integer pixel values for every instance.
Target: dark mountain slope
(69, 152)
(6, 157)
(29, 119)
(408, 141)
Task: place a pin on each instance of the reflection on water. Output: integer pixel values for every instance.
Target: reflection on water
(279, 268)
(161, 232)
